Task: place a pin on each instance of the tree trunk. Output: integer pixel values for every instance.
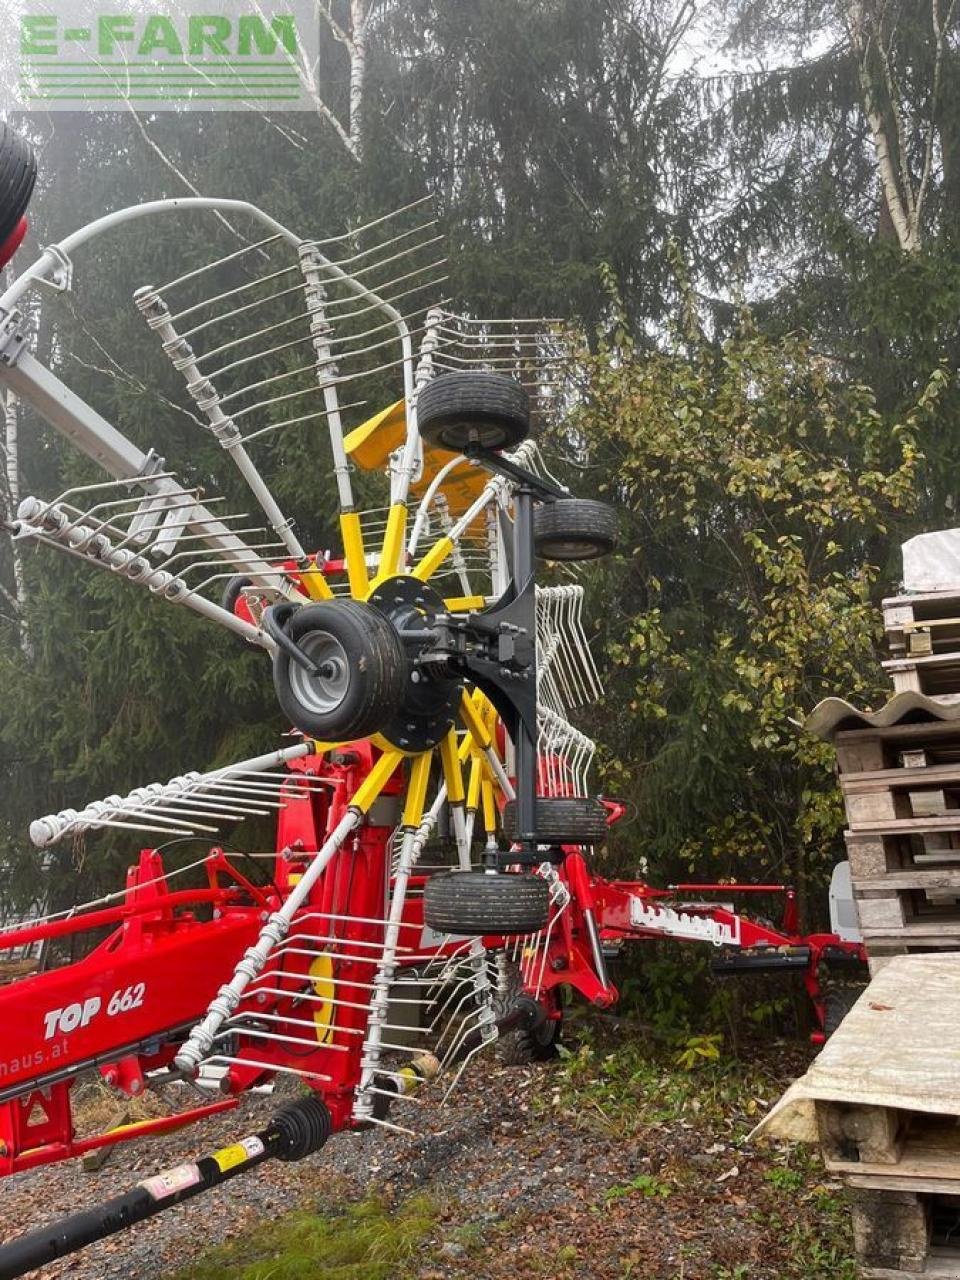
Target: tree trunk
(11, 446)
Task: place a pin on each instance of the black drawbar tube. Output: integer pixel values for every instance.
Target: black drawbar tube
(294, 1132)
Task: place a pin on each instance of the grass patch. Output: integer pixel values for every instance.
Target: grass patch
(368, 1241)
(625, 1086)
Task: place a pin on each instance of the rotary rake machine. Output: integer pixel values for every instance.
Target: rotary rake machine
(430, 889)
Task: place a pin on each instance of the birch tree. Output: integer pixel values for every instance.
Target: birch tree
(906, 150)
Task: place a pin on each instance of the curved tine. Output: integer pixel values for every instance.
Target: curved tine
(296, 342)
(217, 262)
(232, 293)
(310, 368)
(76, 516)
(110, 484)
(239, 311)
(303, 417)
(368, 226)
(336, 303)
(504, 320)
(447, 1014)
(330, 240)
(390, 240)
(273, 544)
(459, 1026)
(384, 262)
(333, 382)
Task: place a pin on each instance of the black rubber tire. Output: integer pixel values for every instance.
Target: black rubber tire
(523, 1045)
(562, 820)
(457, 410)
(478, 902)
(372, 673)
(18, 173)
(837, 1003)
(573, 529)
(229, 597)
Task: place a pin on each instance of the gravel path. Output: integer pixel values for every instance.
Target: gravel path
(533, 1179)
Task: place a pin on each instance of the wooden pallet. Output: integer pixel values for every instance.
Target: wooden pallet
(903, 1234)
(901, 1168)
(935, 674)
(918, 624)
(883, 946)
(897, 746)
(922, 857)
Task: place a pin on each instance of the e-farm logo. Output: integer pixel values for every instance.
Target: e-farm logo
(224, 55)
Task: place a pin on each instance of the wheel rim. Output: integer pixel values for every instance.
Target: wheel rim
(488, 435)
(321, 694)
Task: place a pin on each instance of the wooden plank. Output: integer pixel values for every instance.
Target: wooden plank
(871, 856)
(906, 681)
(883, 914)
(936, 1267)
(923, 599)
(925, 733)
(858, 751)
(876, 804)
(951, 658)
(908, 826)
(914, 878)
(908, 778)
(914, 759)
(945, 933)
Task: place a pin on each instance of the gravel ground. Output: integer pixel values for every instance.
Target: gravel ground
(535, 1185)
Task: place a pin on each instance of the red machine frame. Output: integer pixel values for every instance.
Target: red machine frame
(100, 1012)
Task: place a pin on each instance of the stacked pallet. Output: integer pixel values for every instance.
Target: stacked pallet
(902, 1171)
(882, 1101)
(923, 639)
(901, 788)
(884, 1092)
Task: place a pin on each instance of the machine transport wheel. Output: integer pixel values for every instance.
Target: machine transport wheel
(574, 529)
(837, 1003)
(228, 600)
(523, 1045)
(562, 820)
(18, 173)
(457, 410)
(483, 902)
(361, 678)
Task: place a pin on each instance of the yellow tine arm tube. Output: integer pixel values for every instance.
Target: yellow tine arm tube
(393, 539)
(316, 585)
(434, 558)
(473, 720)
(464, 604)
(452, 771)
(417, 789)
(353, 552)
(375, 781)
(489, 806)
(473, 783)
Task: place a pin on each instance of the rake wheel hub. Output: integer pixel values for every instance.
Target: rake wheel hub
(431, 695)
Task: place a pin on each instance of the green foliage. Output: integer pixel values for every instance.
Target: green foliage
(647, 1185)
(759, 491)
(766, 471)
(698, 1050)
(626, 1086)
(369, 1241)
